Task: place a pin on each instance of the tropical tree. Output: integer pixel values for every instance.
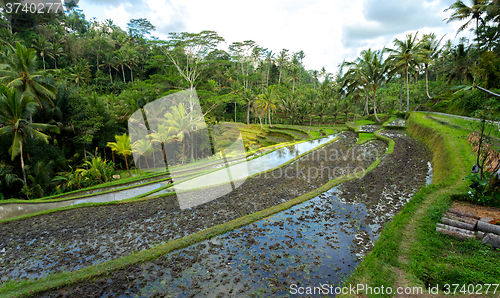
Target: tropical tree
(80, 73)
(294, 77)
(471, 14)
(15, 109)
(122, 147)
(19, 71)
(56, 51)
(43, 47)
(267, 101)
(121, 60)
(432, 49)
(109, 62)
(249, 97)
(374, 70)
(408, 53)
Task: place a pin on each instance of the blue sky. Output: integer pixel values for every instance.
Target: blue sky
(328, 31)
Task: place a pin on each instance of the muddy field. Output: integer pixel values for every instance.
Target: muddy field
(318, 242)
(73, 239)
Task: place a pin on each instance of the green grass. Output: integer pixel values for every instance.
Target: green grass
(365, 137)
(410, 243)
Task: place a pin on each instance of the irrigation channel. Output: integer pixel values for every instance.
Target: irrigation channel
(257, 165)
(316, 242)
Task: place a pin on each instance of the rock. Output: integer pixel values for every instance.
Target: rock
(492, 239)
(116, 176)
(480, 235)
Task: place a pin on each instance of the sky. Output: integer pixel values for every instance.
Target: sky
(328, 31)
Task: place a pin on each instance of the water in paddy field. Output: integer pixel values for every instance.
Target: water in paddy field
(257, 165)
(312, 243)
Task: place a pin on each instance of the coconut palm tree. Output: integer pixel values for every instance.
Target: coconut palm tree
(374, 70)
(15, 109)
(249, 97)
(294, 77)
(432, 50)
(122, 147)
(109, 62)
(56, 51)
(43, 47)
(408, 52)
(121, 60)
(267, 101)
(80, 72)
(19, 71)
(473, 13)
(460, 67)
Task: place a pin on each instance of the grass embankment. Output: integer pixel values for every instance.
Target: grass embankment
(409, 252)
(28, 288)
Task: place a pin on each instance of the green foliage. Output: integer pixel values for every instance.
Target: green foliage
(480, 193)
(90, 173)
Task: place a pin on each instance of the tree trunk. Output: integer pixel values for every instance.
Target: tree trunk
(427, 82)
(248, 113)
(375, 104)
(126, 165)
(269, 114)
(110, 77)
(22, 162)
(407, 91)
(400, 91)
(43, 58)
(123, 73)
(131, 75)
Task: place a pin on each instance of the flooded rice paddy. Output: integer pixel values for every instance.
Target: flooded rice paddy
(317, 242)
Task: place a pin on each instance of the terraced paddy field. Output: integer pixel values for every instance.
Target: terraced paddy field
(281, 226)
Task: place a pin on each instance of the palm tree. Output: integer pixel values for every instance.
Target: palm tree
(122, 146)
(310, 98)
(374, 72)
(334, 111)
(181, 123)
(321, 109)
(19, 71)
(43, 47)
(15, 109)
(249, 97)
(282, 58)
(80, 72)
(294, 76)
(56, 51)
(471, 13)
(7, 38)
(121, 60)
(109, 61)
(409, 53)
(144, 148)
(130, 57)
(432, 51)
(267, 101)
(460, 68)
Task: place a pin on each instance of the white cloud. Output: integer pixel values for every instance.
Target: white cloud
(328, 31)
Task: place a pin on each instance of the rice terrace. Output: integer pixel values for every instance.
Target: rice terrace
(140, 159)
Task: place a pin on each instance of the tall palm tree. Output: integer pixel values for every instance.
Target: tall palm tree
(294, 76)
(432, 50)
(122, 147)
(109, 62)
(460, 67)
(19, 71)
(249, 97)
(56, 51)
(408, 52)
(15, 109)
(473, 13)
(43, 47)
(282, 59)
(267, 101)
(374, 70)
(131, 58)
(121, 60)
